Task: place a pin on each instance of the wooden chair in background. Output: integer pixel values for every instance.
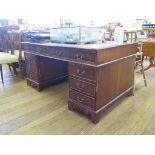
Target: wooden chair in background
(16, 37)
(148, 49)
(131, 36)
(8, 44)
(139, 61)
(4, 40)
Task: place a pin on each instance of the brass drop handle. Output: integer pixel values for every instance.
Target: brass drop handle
(80, 86)
(80, 72)
(78, 56)
(58, 53)
(79, 99)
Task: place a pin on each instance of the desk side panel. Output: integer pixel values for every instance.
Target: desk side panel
(110, 54)
(113, 80)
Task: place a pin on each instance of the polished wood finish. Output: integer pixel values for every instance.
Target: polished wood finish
(113, 80)
(65, 53)
(82, 86)
(139, 63)
(49, 71)
(86, 73)
(108, 69)
(111, 54)
(80, 98)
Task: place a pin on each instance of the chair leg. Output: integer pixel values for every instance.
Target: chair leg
(10, 67)
(133, 90)
(142, 70)
(1, 73)
(14, 68)
(143, 74)
(22, 70)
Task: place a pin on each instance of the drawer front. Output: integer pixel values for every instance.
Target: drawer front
(72, 54)
(82, 99)
(31, 48)
(84, 72)
(80, 55)
(61, 52)
(47, 51)
(82, 86)
(54, 52)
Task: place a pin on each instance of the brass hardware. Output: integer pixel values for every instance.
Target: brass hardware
(80, 72)
(79, 99)
(59, 53)
(79, 56)
(80, 86)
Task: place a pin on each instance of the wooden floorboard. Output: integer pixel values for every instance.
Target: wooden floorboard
(23, 110)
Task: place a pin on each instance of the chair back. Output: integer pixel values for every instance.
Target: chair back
(148, 48)
(15, 38)
(5, 44)
(6, 37)
(131, 36)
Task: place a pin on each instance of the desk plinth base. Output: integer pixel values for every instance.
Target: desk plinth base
(46, 83)
(93, 115)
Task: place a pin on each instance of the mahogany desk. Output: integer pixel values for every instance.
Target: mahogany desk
(99, 74)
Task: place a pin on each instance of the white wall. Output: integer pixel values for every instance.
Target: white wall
(47, 12)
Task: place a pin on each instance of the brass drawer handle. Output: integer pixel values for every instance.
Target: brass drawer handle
(59, 53)
(79, 56)
(79, 99)
(80, 86)
(80, 72)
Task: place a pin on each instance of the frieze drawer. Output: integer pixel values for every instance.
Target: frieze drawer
(31, 48)
(69, 54)
(56, 52)
(81, 86)
(82, 99)
(84, 55)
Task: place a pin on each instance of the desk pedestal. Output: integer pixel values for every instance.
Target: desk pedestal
(42, 71)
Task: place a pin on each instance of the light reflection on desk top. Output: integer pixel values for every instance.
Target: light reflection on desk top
(95, 46)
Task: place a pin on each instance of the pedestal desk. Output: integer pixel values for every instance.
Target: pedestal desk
(99, 74)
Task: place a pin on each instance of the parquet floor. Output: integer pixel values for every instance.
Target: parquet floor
(23, 110)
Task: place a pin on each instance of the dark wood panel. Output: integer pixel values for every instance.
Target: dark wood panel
(111, 54)
(82, 86)
(114, 79)
(83, 72)
(98, 76)
(83, 55)
(52, 68)
(42, 71)
(73, 54)
(32, 70)
(82, 99)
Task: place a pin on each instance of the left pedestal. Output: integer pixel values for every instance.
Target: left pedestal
(43, 71)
